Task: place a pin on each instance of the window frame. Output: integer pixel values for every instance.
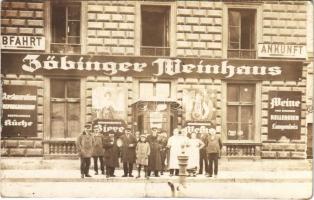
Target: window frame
(258, 24)
(239, 106)
(48, 106)
(172, 25)
(154, 88)
(83, 25)
(256, 111)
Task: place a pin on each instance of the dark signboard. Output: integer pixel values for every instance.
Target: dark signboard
(198, 127)
(19, 105)
(165, 67)
(284, 115)
(109, 126)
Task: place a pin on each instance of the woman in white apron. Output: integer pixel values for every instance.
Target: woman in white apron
(175, 143)
(195, 145)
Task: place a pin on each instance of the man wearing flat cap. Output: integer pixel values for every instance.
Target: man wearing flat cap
(84, 145)
(128, 152)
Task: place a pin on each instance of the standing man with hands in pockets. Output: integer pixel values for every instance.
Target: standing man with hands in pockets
(84, 145)
(213, 149)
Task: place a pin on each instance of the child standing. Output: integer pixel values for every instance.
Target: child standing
(142, 153)
(195, 145)
(213, 148)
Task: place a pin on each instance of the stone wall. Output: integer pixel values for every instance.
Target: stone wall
(284, 22)
(111, 27)
(22, 18)
(199, 29)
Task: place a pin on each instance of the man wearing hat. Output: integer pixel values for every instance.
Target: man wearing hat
(128, 152)
(84, 145)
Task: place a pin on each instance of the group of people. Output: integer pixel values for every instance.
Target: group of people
(154, 153)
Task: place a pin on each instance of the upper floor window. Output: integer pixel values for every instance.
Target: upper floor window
(65, 27)
(151, 90)
(155, 30)
(241, 33)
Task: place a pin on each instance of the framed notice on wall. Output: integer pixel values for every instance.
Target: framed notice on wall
(284, 115)
(19, 105)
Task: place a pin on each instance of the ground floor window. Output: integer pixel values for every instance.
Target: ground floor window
(65, 108)
(240, 111)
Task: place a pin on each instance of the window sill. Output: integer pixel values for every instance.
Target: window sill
(242, 53)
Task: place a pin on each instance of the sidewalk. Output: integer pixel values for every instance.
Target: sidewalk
(242, 171)
(279, 179)
(223, 176)
(224, 164)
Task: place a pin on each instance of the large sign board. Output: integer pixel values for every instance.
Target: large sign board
(22, 42)
(284, 114)
(109, 102)
(19, 117)
(273, 50)
(77, 65)
(199, 104)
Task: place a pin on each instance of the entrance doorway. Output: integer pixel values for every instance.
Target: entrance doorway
(154, 114)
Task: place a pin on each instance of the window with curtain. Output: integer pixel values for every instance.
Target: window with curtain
(240, 111)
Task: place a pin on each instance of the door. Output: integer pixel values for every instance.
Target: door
(150, 115)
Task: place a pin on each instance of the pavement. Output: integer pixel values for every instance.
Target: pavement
(36, 177)
(223, 176)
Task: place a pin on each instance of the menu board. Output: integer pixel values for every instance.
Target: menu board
(19, 105)
(284, 118)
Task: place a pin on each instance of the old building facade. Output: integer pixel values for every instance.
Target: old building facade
(240, 67)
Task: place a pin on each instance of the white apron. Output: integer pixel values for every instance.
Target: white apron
(194, 153)
(174, 143)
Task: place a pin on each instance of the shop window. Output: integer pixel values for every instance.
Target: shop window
(155, 30)
(241, 33)
(240, 111)
(151, 90)
(65, 27)
(65, 108)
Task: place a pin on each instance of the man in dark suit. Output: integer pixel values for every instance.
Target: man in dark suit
(128, 152)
